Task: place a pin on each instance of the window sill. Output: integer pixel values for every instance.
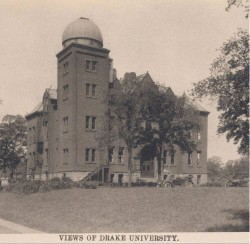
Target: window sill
(121, 164)
(90, 130)
(91, 71)
(93, 97)
(190, 165)
(90, 162)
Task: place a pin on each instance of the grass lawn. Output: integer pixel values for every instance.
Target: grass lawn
(137, 209)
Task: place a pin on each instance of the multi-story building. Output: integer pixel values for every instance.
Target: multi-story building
(63, 129)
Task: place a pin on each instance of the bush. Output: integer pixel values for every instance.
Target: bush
(23, 186)
(67, 183)
(29, 187)
(55, 183)
(86, 184)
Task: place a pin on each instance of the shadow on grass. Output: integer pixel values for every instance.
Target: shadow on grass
(242, 215)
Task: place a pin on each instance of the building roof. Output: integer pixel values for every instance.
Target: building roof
(38, 108)
(196, 105)
(52, 93)
(82, 28)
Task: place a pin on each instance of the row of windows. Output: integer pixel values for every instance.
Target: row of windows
(90, 66)
(90, 123)
(90, 91)
(198, 159)
(90, 154)
(169, 156)
(190, 136)
(120, 155)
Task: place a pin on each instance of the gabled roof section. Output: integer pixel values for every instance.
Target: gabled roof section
(38, 109)
(196, 105)
(52, 93)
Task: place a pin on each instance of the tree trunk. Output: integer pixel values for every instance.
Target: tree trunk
(129, 165)
(159, 164)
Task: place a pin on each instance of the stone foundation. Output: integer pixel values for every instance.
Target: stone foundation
(77, 176)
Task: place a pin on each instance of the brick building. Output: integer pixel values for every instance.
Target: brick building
(63, 129)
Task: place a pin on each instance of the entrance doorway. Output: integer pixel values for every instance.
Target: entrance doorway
(147, 161)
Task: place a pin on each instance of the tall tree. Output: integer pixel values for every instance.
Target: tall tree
(238, 169)
(214, 168)
(229, 84)
(13, 142)
(168, 120)
(148, 113)
(126, 97)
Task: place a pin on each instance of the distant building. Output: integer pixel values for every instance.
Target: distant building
(63, 129)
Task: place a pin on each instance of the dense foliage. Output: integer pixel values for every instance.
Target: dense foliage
(229, 84)
(144, 112)
(233, 169)
(13, 141)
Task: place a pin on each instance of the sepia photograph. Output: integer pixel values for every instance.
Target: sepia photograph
(127, 119)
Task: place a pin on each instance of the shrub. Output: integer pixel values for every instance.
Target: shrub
(55, 183)
(67, 183)
(29, 187)
(86, 184)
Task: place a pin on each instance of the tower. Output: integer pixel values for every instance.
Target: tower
(82, 97)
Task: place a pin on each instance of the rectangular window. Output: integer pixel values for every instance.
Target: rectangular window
(66, 68)
(93, 155)
(111, 155)
(90, 123)
(198, 157)
(93, 90)
(87, 152)
(199, 136)
(90, 90)
(189, 158)
(112, 178)
(189, 135)
(172, 157)
(88, 65)
(87, 89)
(120, 177)
(165, 157)
(66, 155)
(94, 66)
(65, 92)
(87, 122)
(65, 124)
(120, 154)
(93, 123)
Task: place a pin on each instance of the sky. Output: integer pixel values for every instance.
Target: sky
(174, 40)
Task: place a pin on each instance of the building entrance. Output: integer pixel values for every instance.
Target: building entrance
(147, 161)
